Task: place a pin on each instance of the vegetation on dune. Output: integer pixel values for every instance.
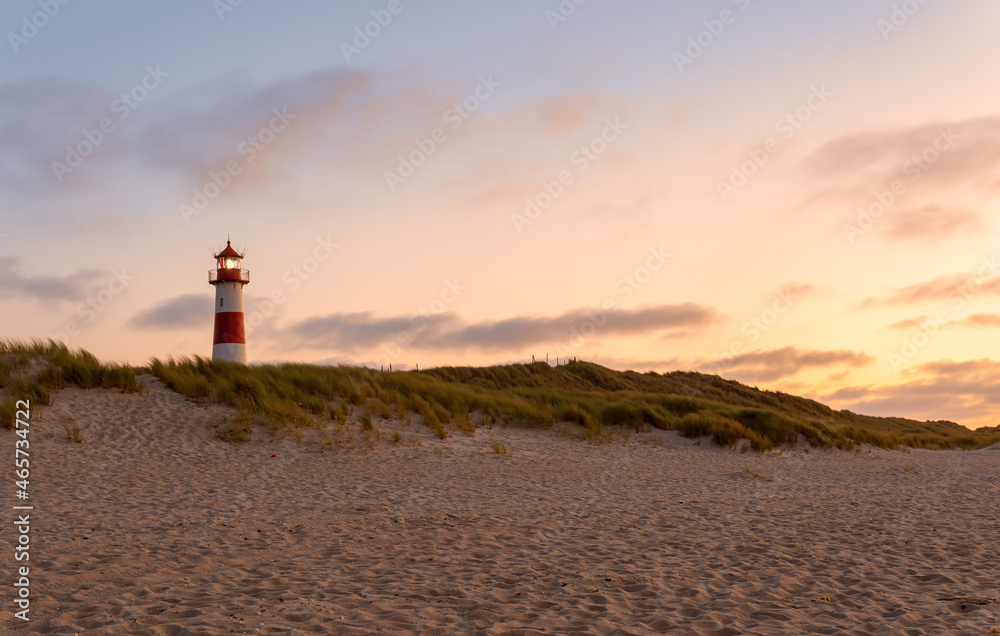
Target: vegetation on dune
(35, 371)
(449, 400)
(682, 385)
(538, 395)
(499, 448)
(305, 395)
(776, 417)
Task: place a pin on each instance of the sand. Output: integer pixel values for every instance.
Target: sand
(153, 526)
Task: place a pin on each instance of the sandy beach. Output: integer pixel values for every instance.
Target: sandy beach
(151, 525)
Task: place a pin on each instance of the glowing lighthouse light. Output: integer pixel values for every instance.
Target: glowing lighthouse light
(230, 342)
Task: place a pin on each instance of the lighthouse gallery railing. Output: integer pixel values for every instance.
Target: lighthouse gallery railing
(225, 275)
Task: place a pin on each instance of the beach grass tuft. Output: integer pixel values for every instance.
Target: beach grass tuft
(73, 432)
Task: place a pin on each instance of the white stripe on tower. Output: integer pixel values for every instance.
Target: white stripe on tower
(229, 297)
(230, 352)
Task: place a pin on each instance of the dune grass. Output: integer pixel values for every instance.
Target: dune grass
(454, 400)
(307, 395)
(35, 371)
(73, 432)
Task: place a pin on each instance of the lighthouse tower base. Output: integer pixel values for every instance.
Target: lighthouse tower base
(230, 352)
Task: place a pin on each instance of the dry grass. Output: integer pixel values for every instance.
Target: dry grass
(566, 432)
(366, 421)
(498, 448)
(235, 428)
(381, 409)
(594, 399)
(73, 432)
(658, 443)
(463, 421)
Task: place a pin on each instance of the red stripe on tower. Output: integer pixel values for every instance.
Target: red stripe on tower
(229, 342)
(229, 328)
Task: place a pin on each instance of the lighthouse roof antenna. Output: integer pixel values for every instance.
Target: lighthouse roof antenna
(229, 251)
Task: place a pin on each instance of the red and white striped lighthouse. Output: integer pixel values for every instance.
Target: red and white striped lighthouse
(230, 342)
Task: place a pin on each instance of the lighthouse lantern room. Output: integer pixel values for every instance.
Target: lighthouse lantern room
(230, 343)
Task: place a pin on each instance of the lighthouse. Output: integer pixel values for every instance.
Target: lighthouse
(228, 278)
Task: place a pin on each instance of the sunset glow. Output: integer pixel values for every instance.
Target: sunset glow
(792, 195)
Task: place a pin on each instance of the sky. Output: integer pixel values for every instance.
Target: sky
(798, 196)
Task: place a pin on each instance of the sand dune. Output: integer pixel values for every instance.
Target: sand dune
(153, 526)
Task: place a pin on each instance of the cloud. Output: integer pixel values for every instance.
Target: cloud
(985, 280)
(515, 332)
(767, 366)
(945, 389)
(72, 287)
(759, 366)
(38, 118)
(189, 310)
(203, 129)
(355, 331)
(929, 291)
(965, 155)
(351, 332)
(936, 183)
(980, 321)
(560, 115)
(838, 377)
(909, 323)
(345, 122)
(173, 140)
(190, 131)
(975, 321)
(797, 291)
(930, 223)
